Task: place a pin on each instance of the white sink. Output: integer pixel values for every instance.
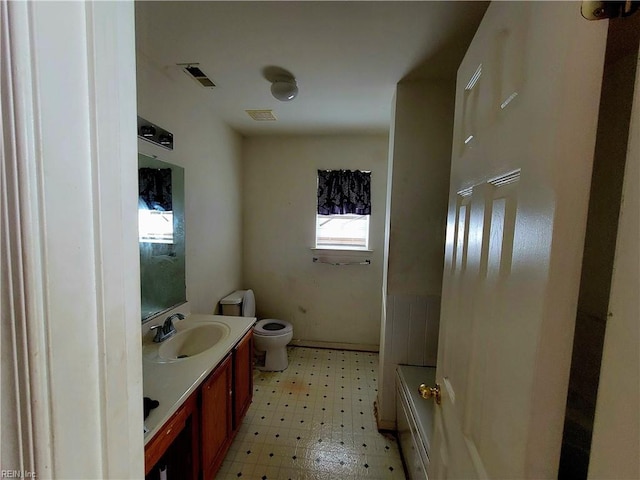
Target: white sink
(192, 341)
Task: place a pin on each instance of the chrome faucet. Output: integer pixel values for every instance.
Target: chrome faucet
(167, 329)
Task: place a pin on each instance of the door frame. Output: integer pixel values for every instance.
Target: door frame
(70, 283)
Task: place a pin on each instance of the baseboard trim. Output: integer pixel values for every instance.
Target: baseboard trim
(383, 425)
(386, 426)
(359, 347)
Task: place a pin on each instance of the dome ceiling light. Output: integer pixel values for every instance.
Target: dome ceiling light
(284, 86)
(284, 89)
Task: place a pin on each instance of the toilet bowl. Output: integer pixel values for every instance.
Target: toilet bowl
(270, 336)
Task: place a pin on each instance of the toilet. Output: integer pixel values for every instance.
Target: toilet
(270, 336)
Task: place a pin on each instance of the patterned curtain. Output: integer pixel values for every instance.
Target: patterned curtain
(154, 187)
(343, 191)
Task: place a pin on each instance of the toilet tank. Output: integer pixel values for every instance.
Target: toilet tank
(232, 303)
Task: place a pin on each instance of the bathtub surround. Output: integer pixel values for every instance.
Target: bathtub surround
(209, 151)
(326, 304)
(415, 418)
(419, 161)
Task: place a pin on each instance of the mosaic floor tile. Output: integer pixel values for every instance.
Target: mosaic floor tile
(314, 421)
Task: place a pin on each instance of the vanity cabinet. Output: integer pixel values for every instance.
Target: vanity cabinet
(216, 413)
(195, 440)
(174, 447)
(225, 399)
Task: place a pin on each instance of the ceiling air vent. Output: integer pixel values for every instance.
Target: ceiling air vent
(262, 115)
(193, 70)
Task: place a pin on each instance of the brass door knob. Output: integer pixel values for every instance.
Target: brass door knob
(427, 392)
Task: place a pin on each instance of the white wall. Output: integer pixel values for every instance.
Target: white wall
(209, 151)
(324, 303)
(420, 189)
(421, 157)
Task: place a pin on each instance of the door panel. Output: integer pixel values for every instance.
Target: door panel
(526, 113)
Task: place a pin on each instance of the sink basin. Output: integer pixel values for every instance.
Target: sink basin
(192, 341)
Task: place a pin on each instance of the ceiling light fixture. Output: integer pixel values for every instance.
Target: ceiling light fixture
(284, 88)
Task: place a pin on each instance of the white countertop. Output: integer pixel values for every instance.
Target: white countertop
(171, 383)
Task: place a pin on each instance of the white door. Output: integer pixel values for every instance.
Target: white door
(526, 114)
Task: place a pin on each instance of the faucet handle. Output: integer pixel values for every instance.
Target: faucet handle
(159, 333)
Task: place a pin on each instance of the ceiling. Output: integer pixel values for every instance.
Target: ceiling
(347, 56)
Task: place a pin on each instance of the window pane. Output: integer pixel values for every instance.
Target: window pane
(342, 231)
(155, 226)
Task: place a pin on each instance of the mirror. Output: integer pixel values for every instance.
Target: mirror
(161, 235)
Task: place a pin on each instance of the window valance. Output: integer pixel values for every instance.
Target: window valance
(344, 192)
(154, 187)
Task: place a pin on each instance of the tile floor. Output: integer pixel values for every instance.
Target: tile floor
(314, 421)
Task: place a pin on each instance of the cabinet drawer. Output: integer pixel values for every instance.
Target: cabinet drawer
(161, 441)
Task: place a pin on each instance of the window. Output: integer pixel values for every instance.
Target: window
(155, 205)
(342, 231)
(155, 226)
(344, 209)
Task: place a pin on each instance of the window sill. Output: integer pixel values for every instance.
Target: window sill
(340, 250)
(332, 256)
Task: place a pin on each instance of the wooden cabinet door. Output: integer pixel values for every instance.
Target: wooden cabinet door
(243, 378)
(216, 414)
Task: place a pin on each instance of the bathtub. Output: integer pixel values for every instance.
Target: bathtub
(415, 417)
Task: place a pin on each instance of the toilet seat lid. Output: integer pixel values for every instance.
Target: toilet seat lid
(248, 304)
(271, 327)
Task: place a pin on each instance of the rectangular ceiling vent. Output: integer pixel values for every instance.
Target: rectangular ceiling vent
(262, 115)
(193, 70)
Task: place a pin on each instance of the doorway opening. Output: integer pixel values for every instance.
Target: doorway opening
(600, 243)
